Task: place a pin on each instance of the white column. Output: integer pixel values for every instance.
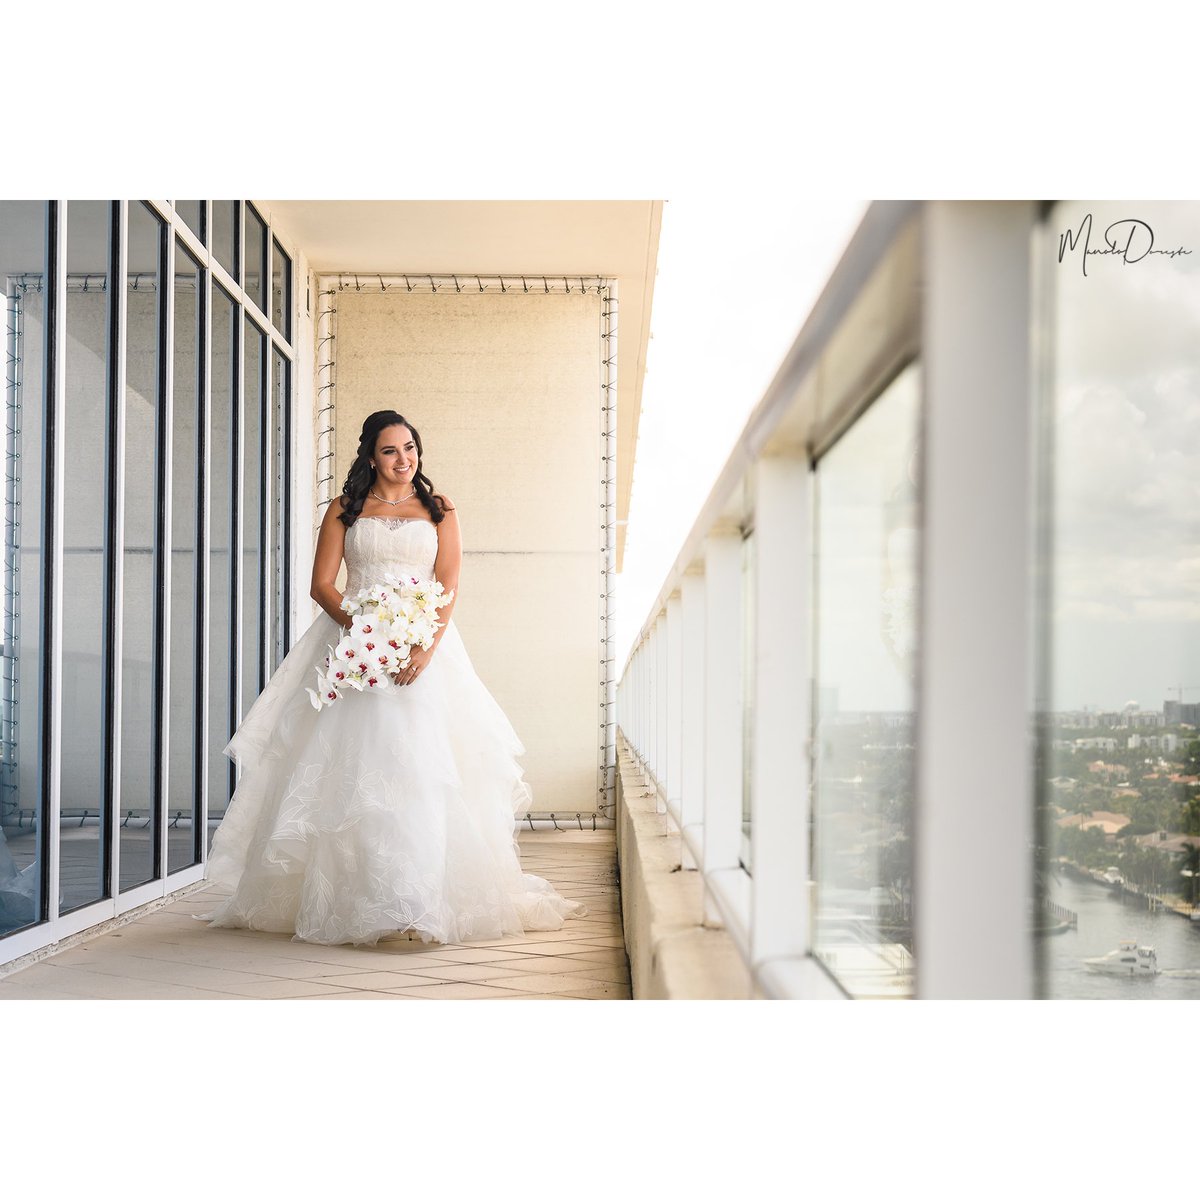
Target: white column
(647, 706)
(674, 693)
(782, 698)
(644, 692)
(692, 717)
(974, 827)
(661, 685)
(723, 706)
(639, 706)
(652, 706)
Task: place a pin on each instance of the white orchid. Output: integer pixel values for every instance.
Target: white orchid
(387, 620)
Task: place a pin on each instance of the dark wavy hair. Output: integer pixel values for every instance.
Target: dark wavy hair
(362, 475)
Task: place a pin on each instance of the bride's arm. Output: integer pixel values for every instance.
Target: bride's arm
(448, 565)
(331, 543)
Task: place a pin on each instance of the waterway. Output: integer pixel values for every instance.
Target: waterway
(1104, 919)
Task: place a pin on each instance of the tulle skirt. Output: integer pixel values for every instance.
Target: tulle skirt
(386, 811)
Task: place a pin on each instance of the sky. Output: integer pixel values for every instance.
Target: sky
(1126, 432)
(738, 276)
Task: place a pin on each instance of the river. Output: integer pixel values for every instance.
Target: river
(1104, 919)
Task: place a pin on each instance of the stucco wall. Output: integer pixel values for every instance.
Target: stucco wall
(504, 390)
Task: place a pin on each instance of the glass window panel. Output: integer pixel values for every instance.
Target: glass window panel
(225, 234)
(250, 571)
(867, 523)
(1119, 721)
(192, 211)
(748, 627)
(139, 565)
(183, 795)
(278, 567)
(22, 826)
(256, 257)
(281, 290)
(222, 649)
(83, 825)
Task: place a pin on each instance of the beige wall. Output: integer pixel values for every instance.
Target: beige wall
(504, 390)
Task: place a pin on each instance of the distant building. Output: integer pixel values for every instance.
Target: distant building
(1175, 713)
(1110, 822)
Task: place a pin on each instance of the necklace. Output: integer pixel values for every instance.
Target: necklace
(393, 503)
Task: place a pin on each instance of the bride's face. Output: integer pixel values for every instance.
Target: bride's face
(395, 455)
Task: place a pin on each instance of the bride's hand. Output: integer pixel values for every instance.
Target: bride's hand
(418, 659)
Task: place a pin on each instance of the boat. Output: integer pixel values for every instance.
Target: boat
(1127, 959)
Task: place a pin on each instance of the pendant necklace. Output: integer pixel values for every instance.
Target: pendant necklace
(393, 503)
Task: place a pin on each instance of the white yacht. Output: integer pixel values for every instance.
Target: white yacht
(1128, 959)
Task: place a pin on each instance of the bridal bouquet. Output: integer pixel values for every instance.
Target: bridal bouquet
(389, 618)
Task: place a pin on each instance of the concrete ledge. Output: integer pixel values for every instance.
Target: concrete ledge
(672, 954)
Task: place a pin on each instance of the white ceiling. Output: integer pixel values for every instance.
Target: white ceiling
(614, 238)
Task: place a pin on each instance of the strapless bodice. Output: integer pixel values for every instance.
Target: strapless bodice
(377, 545)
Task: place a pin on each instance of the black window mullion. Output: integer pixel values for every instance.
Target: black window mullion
(158, 797)
(235, 540)
(264, 512)
(54, 267)
(200, 641)
(108, 714)
(285, 503)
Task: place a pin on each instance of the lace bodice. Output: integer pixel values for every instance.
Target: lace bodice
(375, 545)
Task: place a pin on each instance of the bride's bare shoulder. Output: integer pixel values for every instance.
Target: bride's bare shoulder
(333, 514)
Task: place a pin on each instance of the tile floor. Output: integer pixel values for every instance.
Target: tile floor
(167, 955)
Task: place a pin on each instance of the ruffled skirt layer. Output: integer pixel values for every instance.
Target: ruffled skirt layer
(387, 811)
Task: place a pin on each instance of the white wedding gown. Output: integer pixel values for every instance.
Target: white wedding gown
(387, 810)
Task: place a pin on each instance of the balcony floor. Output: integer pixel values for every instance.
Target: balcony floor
(166, 955)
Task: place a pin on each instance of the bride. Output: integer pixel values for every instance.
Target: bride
(388, 811)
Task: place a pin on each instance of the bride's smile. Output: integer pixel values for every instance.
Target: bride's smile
(396, 461)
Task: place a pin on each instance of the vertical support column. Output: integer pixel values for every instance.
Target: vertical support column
(636, 675)
(674, 723)
(974, 829)
(651, 752)
(782, 698)
(661, 686)
(639, 743)
(723, 706)
(692, 716)
(631, 701)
